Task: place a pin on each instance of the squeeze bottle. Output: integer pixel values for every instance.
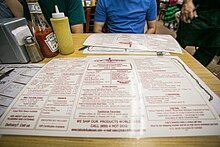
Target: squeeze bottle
(61, 28)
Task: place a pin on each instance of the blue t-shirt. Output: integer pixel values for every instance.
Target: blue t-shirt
(126, 16)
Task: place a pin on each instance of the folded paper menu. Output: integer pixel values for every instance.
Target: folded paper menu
(144, 42)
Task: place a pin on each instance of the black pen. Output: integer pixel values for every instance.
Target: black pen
(82, 48)
(2, 68)
(6, 74)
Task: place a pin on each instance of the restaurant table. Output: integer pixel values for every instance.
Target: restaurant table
(34, 141)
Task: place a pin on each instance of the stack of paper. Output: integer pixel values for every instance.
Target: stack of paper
(131, 44)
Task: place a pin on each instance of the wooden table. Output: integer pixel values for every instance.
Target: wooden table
(34, 141)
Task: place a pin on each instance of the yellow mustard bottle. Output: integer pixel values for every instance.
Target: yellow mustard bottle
(61, 28)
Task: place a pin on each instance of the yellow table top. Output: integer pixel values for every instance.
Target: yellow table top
(34, 141)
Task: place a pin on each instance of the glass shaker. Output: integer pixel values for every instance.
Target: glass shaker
(33, 50)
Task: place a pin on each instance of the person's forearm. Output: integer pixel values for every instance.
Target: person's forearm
(151, 31)
(152, 26)
(97, 30)
(77, 28)
(16, 7)
(98, 27)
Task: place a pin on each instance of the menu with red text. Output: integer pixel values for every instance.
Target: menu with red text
(113, 97)
(132, 43)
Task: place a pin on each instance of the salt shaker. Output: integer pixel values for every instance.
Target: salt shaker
(33, 50)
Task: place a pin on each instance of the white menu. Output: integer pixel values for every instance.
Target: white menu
(113, 97)
(119, 51)
(11, 85)
(144, 42)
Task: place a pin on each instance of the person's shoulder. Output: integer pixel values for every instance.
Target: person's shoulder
(147, 0)
(150, 1)
(72, 1)
(105, 1)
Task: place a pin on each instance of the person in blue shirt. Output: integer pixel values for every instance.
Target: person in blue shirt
(126, 16)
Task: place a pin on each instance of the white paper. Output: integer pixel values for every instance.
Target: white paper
(108, 50)
(12, 89)
(30, 72)
(215, 103)
(6, 80)
(111, 97)
(146, 42)
(165, 43)
(2, 110)
(11, 85)
(22, 79)
(5, 101)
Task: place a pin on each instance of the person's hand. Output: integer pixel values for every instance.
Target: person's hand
(188, 11)
(180, 2)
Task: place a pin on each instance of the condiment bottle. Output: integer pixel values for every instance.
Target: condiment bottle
(61, 28)
(45, 37)
(33, 50)
(42, 31)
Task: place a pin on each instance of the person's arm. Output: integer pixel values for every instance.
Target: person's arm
(151, 17)
(76, 15)
(77, 28)
(98, 26)
(15, 7)
(188, 11)
(100, 16)
(151, 27)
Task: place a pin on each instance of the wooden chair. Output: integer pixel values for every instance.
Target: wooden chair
(89, 14)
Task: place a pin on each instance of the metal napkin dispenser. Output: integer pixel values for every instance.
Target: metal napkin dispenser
(12, 34)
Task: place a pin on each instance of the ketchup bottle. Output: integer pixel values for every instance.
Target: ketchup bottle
(45, 37)
(42, 31)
